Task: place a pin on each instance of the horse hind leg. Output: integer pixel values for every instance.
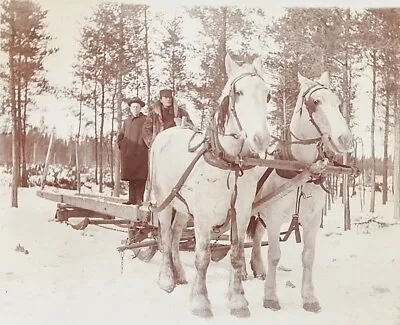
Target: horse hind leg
(310, 302)
(256, 232)
(166, 276)
(179, 224)
(271, 300)
(200, 304)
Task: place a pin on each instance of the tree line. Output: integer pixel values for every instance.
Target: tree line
(132, 50)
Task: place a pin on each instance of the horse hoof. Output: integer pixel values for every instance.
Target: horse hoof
(204, 313)
(241, 312)
(259, 276)
(181, 282)
(167, 288)
(272, 304)
(312, 307)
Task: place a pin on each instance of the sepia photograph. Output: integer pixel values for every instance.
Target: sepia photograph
(199, 162)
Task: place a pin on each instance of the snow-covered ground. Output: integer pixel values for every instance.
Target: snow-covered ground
(74, 277)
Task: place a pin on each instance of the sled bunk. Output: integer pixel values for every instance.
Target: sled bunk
(91, 206)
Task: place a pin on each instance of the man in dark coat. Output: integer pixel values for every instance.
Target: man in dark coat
(163, 114)
(134, 152)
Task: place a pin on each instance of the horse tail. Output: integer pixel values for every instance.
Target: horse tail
(251, 228)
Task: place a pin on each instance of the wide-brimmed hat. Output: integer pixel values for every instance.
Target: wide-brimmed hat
(136, 100)
(166, 93)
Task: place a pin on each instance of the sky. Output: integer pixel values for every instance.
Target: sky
(65, 19)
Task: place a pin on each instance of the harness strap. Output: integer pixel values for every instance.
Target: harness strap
(263, 179)
(193, 149)
(174, 192)
(284, 189)
(231, 215)
(232, 212)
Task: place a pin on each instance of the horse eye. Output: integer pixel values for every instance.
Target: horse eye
(268, 98)
(316, 102)
(239, 93)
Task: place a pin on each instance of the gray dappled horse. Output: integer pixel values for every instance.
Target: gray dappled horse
(238, 129)
(317, 123)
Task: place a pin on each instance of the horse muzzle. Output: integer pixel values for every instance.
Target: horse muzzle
(259, 142)
(347, 143)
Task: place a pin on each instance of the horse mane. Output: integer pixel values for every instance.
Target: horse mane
(223, 115)
(223, 109)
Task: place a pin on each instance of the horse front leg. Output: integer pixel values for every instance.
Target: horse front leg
(166, 276)
(274, 255)
(179, 224)
(237, 301)
(200, 304)
(310, 301)
(256, 262)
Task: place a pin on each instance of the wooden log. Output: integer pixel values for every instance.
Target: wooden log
(106, 198)
(67, 211)
(47, 161)
(118, 210)
(110, 222)
(145, 243)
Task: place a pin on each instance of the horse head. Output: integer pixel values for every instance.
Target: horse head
(243, 106)
(319, 116)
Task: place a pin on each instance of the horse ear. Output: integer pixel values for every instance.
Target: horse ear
(230, 65)
(304, 82)
(324, 79)
(258, 65)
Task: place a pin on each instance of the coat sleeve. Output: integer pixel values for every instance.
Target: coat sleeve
(121, 135)
(147, 130)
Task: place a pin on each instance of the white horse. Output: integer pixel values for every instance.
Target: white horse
(238, 129)
(316, 120)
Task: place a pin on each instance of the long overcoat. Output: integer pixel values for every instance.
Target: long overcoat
(134, 152)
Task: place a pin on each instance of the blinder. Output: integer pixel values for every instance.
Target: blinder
(311, 104)
(228, 104)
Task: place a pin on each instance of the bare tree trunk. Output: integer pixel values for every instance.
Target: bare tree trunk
(19, 115)
(117, 183)
(15, 131)
(396, 163)
(223, 47)
(78, 138)
(24, 173)
(336, 185)
(147, 53)
(95, 136)
(346, 114)
(101, 136)
(372, 203)
(34, 153)
(385, 151)
(112, 133)
(325, 208)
